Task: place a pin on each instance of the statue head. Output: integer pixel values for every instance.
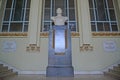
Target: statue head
(59, 10)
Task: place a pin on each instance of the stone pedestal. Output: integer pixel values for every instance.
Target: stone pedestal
(59, 55)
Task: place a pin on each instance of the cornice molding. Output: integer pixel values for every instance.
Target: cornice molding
(46, 34)
(73, 34)
(13, 34)
(106, 34)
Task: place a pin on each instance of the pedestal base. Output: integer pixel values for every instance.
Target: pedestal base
(60, 71)
(59, 54)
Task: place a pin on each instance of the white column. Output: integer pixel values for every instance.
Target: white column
(34, 25)
(119, 4)
(39, 20)
(84, 25)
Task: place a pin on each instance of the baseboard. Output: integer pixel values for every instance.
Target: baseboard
(32, 72)
(88, 72)
(76, 72)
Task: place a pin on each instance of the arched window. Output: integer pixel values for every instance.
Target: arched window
(103, 17)
(16, 16)
(49, 9)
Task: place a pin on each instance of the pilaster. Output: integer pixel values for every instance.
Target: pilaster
(117, 10)
(84, 25)
(34, 25)
(119, 4)
(2, 7)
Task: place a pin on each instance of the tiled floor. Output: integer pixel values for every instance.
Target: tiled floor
(43, 77)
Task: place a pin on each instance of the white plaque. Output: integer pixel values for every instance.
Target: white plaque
(109, 46)
(9, 46)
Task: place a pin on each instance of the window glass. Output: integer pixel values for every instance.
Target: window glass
(102, 15)
(16, 16)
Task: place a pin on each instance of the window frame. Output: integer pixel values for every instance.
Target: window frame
(23, 21)
(94, 26)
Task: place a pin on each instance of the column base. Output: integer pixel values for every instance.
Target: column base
(58, 71)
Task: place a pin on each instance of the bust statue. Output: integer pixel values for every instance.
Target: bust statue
(59, 19)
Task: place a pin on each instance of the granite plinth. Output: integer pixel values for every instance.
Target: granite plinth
(60, 71)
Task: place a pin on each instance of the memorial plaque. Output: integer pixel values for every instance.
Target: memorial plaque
(109, 46)
(9, 46)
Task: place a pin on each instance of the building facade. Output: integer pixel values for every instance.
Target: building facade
(95, 32)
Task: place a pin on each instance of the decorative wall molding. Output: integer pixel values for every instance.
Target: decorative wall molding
(33, 48)
(46, 34)
(86, 47)
(106, 34)
(75, 34)
(17, 34)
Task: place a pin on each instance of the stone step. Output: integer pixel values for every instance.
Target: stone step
(114, 71)
(8, 74)
(113, 75)
(4, 72)
(1, 64)
(116, 67)
(3, 68)
(118, 70)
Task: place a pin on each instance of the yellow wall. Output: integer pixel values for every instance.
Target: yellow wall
(23, 60)
(95, 60)
(98, 59)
